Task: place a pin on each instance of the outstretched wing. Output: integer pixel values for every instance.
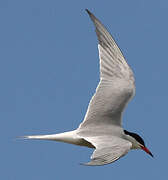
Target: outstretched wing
(108, 149)
(116, 86)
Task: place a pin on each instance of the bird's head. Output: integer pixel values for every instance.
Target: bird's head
(137, 141)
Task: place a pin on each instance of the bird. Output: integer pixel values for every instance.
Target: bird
(102, 128)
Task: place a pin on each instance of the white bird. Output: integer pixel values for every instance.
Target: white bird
(102, 126)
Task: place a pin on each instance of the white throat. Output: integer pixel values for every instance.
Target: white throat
(135, 144)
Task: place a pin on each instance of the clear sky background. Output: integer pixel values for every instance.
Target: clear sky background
(49, 70)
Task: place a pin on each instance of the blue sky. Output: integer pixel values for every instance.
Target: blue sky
(49, 71)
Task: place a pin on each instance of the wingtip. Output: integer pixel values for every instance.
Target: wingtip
(85, 164)
(92, 16)
(92, 163)
(88, 12)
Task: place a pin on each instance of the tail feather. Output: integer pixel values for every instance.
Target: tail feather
(67, 137)
(39, 137)
(32, 137)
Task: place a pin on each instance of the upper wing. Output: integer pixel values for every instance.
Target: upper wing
(108, 149)
(116, 86)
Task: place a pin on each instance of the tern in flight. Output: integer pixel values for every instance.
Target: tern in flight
(101, 128)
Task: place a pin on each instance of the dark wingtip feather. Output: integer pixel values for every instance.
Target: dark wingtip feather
(88, 11)
(93, 18)
(90, 14)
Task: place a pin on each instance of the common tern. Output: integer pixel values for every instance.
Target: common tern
(102, 128)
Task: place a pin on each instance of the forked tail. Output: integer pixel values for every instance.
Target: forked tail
(67, 137)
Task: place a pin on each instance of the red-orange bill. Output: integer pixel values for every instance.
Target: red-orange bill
(147, 150)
